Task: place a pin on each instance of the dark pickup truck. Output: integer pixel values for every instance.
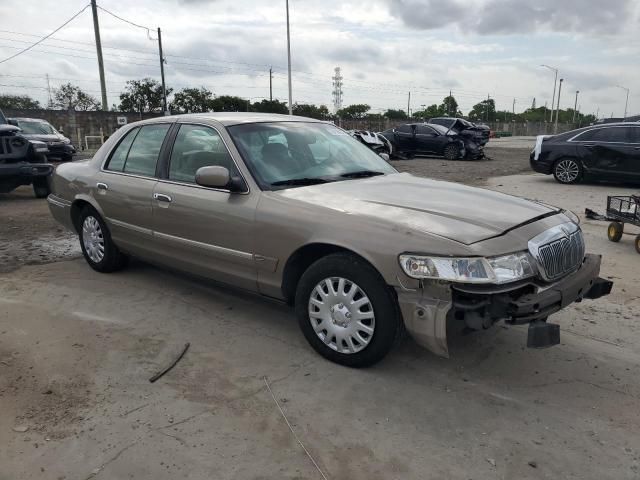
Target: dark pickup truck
(22, 161)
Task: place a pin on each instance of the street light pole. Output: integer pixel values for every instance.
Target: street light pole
(289, 61)
(626, 103)
(575, 105)
(555, 82)
(165, 110)
(555, 128)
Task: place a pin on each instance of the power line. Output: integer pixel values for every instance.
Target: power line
(129, 22)
(46, 36)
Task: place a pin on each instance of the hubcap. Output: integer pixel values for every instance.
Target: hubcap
(93, 239)
(342, 315)
(567, 171)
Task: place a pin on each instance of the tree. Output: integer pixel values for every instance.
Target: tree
(18, 102)
(392, 114)
(72, 97)
(449, 107)
(430, 112)
(311, 111)
(194, 100)
(356, 111)
(142, 96)
(229, 103)
(270, 106)
(483, 111)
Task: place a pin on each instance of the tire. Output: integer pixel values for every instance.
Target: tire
(614, 231)
(637, 243)
(568, 171)
(97, 246)
(451, 152)
(328, 295)
(41, 188)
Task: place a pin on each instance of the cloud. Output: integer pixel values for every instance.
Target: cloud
(490, 17)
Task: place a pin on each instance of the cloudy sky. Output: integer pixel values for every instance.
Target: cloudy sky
(385, 48)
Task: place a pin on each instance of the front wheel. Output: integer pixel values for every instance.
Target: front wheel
(41, 188)
(346, 311)
(451, 152)
(97, 246)
(637, 243)
(567, 171)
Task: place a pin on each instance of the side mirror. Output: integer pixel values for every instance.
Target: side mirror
(215, 177)
(384, 156)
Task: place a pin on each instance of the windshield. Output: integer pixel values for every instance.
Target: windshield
(36, 128)
(285, 154)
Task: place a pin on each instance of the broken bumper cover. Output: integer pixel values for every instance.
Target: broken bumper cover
(427, 310)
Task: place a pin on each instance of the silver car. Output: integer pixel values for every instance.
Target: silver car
(298, 210)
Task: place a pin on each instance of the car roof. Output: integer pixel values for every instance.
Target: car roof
(236, 118)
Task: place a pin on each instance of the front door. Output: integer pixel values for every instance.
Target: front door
(124, 187)
(428, 140)
(606, 151)
(204, 230)
(405, 138)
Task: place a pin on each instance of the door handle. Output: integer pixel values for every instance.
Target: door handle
(102, 186)
(161, 197)
(588, 145)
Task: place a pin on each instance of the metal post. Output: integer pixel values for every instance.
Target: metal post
(49, 101)
(575, 105)
(486, 110)
(555, 128)
(289, 61)
(409, 106)
(96, 30)
(553, 99)
(270, 84)
(164, 89)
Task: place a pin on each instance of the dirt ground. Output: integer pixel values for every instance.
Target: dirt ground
(77, 349)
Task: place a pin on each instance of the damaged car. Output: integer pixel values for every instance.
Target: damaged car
(476, 133)
(414, 139)
(22, 161)
(36, 129)
(375, 141)
(298, 210)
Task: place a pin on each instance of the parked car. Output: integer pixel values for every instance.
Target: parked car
(37, 129)
(22, 161)
(421, 139)
(598, 152)
(298, 210)
(476, 133)
(375, 141)
(632, 118)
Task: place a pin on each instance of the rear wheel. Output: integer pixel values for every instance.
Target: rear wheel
(41, 187)
(346, 311)
(614, 231)
(637, 243)
(451, 152)
(567, 171)
(97, 246)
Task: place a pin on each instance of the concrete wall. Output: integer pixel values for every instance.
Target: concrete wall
(77, 124)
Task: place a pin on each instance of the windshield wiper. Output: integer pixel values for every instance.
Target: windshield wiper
(300, 181)
(362, 174)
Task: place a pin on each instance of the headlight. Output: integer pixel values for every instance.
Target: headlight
(502, 269)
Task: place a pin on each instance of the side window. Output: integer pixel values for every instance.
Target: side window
(424, 130)
(605, 134)
(635, 135)
(404, 129)
(145, 150)
(197, 146)
(119, 155)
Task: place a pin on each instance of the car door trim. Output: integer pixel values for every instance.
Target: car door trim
(135, 228)
(206, 246)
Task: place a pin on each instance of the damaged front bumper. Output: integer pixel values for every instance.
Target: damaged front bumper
(428, 310)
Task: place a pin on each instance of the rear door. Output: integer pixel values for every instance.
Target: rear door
(204, 230)
(428, 140)
(405, 138)
(124, 186)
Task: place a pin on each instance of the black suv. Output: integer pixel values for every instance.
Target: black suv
(599, 152)
(476, 133)
(22, 161)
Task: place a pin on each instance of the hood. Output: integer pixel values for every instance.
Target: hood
(6, 129)
(450, 210)
(42, 137)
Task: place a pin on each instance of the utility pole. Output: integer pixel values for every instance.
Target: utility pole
(270, 84)
(545, 110)
(555, 82)
(164, 88)
(626, 103)
(49, 102)
(575, 105)
(486, 110)
(409, 106)
(289, 61)
(555, 128)
(597, 112)
(96, 30)
(513, 109)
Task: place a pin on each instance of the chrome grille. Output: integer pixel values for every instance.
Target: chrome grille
(558, 251)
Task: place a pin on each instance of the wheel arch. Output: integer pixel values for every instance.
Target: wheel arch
(302, 258)
(80, 202)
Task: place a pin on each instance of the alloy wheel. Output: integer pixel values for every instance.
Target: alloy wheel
(342, 315)
(567, 171)
(93, 239)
